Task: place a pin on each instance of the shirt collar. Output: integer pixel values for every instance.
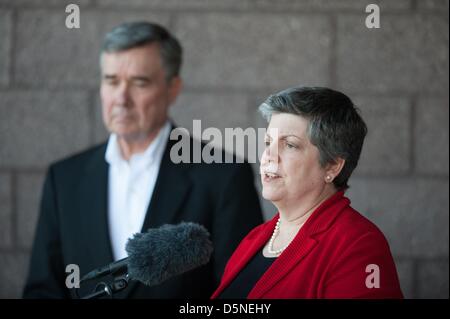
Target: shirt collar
(113, 154)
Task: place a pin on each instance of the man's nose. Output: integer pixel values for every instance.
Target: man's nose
(122, 94)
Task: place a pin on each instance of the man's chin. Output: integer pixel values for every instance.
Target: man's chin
(129, 135)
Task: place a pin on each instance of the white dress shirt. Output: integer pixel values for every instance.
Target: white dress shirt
(130, 188)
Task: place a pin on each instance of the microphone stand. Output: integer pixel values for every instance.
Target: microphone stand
(103, 289)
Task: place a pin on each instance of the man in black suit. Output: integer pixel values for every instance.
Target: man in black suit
(94, 201)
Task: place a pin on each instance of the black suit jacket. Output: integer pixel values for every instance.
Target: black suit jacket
(73, 225)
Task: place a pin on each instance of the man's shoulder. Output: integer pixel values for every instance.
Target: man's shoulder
(82, 158)
(220, 172)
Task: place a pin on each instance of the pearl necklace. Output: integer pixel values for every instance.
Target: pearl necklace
(275, 233)
(277, 230)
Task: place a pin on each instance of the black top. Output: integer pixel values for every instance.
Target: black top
(244, 282)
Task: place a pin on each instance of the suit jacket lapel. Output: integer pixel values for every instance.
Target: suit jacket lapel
(93, 198)
(171, 189)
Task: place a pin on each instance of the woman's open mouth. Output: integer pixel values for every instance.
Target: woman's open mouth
(269, 176)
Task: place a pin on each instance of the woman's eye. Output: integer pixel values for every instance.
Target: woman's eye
(289, 145)
(267, 143)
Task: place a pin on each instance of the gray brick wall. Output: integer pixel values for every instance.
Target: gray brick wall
(5, 46)
(387, 146)
(224, 55)
(236, 53)
(32, 137)
(407, 54)
(5, 211)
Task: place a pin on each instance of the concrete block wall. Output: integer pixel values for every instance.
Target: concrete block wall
(236, 53)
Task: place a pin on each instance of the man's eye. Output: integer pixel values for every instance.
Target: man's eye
(140, 83)
(110, 81)
(267, 143)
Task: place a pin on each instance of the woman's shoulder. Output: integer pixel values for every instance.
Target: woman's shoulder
(352, 225)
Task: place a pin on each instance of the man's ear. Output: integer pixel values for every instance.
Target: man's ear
(175, 86)
(334, 169)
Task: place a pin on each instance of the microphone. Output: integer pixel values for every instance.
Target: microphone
(161, 253)
(117, 267)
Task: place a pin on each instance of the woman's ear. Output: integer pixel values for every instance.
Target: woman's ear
(333, 169)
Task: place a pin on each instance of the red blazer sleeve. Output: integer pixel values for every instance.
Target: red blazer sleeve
(364, 269)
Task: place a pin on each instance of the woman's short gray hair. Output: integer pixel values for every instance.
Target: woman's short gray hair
(335, 126)
(135, 34)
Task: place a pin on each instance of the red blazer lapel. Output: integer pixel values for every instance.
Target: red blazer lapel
(300, 247)
(303, 243)
(243, 254)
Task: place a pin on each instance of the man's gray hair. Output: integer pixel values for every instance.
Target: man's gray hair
(335, 126)
(135, 34)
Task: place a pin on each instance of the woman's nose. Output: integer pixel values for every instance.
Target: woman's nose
(271, 153)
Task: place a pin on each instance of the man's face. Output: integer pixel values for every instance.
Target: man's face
(135, 92)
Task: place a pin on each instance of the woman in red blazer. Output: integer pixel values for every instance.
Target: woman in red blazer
(317, 246)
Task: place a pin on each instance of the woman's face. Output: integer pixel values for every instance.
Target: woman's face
(290, 169)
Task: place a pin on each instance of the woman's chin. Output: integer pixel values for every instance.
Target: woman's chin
(271, 194)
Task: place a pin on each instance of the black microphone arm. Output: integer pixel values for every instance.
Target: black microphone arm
(117, 267)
